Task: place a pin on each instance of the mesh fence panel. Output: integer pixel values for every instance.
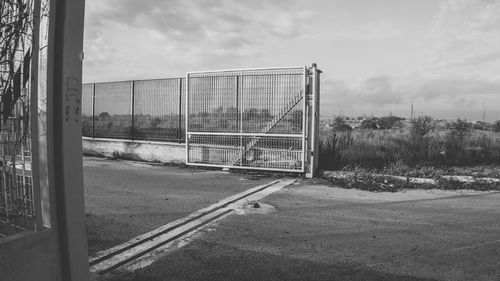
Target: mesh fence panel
(266, 152)
(87, 100)
(247, 101)
(113, 110)
(157, 105)
(158, 110)
(272, 102)
(247, 118)
(182, 124)
(16, 202)
(213, 103)
(16, 190)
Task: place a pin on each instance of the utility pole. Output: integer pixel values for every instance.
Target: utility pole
(411, 112)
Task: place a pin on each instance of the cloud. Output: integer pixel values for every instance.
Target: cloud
(448, 97)
(376, 94)
(464, 33)
(205, 34)
(453, 89)
(195, 21)
(368, 31)
(372, 49)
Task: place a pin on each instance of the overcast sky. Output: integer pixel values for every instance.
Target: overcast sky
(377, 56)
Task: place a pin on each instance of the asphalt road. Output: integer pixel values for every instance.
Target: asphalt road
(325, 233)
(307, 232)
(124, 199)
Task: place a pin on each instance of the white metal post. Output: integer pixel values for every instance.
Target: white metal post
(240, 106)
(304, 123)
(179, 137)
(93, 110)
(314, 122)
(39, 28)
(186, 117)
(64, 134)
(57, 251)
(132, 113)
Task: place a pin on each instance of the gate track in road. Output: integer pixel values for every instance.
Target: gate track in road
(118, 256)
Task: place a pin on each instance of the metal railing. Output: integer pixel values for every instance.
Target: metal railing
(135, 110)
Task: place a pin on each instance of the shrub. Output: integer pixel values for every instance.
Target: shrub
(116, 154)
(340, 125)
(104, 115)
(390, 122)
(421, 126)
(419, 141)
(369, 124)
(332, 150)
(496, 126)
(455, 142)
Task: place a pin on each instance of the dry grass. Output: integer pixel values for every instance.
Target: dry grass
(381, 149)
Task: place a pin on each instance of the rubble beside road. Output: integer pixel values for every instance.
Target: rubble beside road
(364, 180)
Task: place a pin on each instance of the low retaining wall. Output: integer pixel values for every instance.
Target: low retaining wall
(166, 152)
(138, 150)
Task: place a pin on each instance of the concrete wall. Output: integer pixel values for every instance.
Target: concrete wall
(138, 150)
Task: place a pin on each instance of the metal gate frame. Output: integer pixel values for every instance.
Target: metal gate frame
(309, 112)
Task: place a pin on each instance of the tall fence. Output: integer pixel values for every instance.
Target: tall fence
(136, 110)
(263, 118)
(251, 118)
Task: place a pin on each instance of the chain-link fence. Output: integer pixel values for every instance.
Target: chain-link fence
(136, 110)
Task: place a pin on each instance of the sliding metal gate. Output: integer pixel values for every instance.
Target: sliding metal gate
(252, 118)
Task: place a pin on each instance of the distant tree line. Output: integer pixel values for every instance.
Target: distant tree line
(385, 122)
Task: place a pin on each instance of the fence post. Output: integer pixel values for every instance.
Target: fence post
(314, 122)
(132, 129)
(179, 129)
(305, 126)
(62, 155)
(239, 106)
(93, 110)
(186, 119)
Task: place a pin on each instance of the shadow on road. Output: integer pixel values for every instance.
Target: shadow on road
(202, 260)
